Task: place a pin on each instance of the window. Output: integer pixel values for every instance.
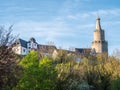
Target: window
(23, 50)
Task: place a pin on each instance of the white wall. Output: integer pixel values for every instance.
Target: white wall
(17, 49)
(20, 50)
(24, 51)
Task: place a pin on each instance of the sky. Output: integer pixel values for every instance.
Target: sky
(64, 23)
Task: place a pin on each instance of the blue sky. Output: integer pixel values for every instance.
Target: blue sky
(67, 23)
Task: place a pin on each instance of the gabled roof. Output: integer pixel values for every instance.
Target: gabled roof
(65, 51)
(83, 50)
(46, 48)
(22, 42)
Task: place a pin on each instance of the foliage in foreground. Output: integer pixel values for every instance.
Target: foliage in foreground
(9, 69)
(92, 73)
(37, 74)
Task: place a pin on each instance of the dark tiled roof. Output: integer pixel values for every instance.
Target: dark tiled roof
(83, 50)
(22, 42)
(46, 48)
(65, 51)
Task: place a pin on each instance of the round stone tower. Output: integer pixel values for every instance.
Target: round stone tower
(99, 43)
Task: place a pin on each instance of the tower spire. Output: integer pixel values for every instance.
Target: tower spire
(98, 26)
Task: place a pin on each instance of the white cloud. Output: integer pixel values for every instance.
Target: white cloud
(101, 12)
(16, 9)
(58, 32)
(46, 30)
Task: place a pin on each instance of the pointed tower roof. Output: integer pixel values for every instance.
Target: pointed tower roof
(98, 26)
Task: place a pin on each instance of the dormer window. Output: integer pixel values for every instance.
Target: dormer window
(17, 43)
(29, 44)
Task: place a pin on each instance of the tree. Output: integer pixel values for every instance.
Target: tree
(6, 36)
(37, 74)
(48, 74)
(115, 84)
(102, 71)
(8, 64)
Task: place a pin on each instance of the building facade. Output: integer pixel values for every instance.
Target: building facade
(99, 45)
(23, 47)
